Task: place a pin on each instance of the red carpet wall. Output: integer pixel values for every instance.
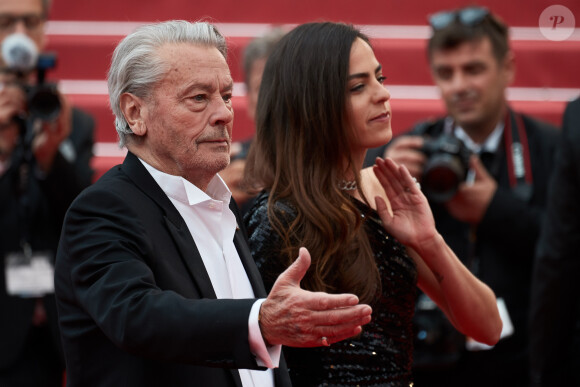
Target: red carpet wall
(84, 33)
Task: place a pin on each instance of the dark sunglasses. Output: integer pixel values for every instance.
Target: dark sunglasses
(469, 17)
(31, 21)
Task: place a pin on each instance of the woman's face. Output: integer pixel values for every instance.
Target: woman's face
(367, 99)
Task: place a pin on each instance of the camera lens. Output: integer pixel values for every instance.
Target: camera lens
(44, 103)
(446, 167)
(441, 177)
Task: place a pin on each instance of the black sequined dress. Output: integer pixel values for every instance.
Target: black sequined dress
(382, 354)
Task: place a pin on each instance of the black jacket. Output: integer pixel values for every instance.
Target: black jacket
(555, 304)
(136, 305)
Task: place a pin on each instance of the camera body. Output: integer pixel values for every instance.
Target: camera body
(42, 99)
(446, 167)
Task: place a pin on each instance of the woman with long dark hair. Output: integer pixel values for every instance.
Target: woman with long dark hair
(322, 104)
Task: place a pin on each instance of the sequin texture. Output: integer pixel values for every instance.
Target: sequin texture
(382, 354)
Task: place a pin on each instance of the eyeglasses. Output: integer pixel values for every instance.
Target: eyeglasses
(469, 17)
(31, 21)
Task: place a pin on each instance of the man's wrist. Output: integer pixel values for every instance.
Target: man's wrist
(261, 326)
(266, 355)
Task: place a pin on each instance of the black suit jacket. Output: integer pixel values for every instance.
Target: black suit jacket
(135, 303)
(48, 198)
(555, 304)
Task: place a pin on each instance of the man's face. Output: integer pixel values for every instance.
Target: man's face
(472, 83)
(189, 115)
(23, 16)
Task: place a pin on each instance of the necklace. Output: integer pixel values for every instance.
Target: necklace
(347, 185)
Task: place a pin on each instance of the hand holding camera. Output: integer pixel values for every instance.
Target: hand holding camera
(406, 150)
(471, 200)
(440, 163)
(449, 173)
(30, 105)
(50, 135)
(12, 104)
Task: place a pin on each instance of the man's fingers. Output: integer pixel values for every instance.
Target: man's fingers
(478, 167)
(407, 157)
(346, 335)
(333, 333)
(338, 332)
(412, 142)
(336, 318)
(319, 301)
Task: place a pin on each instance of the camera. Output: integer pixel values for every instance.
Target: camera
(42, 99)
(21, 58)
(446, 167)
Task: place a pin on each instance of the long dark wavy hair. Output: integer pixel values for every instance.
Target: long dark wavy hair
(302, 141)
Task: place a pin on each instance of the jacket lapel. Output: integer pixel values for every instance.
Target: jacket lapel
(175, 224)
(191, 257)
(241, 243)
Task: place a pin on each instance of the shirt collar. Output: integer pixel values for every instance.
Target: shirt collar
(490, 144)
(180, 189)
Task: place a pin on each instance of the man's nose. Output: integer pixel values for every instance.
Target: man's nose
(20, 26)
(223, 114)
(458, 82)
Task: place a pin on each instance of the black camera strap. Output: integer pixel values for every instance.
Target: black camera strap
(518, 155)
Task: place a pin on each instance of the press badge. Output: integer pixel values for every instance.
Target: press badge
(506, 331)
(29, 275)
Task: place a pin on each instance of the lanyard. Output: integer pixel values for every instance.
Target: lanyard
(518, 155)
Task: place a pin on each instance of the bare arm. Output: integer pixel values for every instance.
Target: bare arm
(468, 303)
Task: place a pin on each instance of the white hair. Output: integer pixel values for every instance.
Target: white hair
(136, 66)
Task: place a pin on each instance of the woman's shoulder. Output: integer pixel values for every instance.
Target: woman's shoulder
(262, 203)
(257, 214)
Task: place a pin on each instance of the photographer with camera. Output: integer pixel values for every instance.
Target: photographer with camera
(485, 170)
(45, 151)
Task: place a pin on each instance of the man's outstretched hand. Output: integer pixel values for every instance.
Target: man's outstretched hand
(295, 317)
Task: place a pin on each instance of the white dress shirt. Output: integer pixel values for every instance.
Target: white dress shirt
(490, 144)
(212, 225)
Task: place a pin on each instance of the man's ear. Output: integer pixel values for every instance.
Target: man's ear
(509, 68)
(133, 109)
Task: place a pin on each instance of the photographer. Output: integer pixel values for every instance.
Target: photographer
(44, 164)
(492, 218)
